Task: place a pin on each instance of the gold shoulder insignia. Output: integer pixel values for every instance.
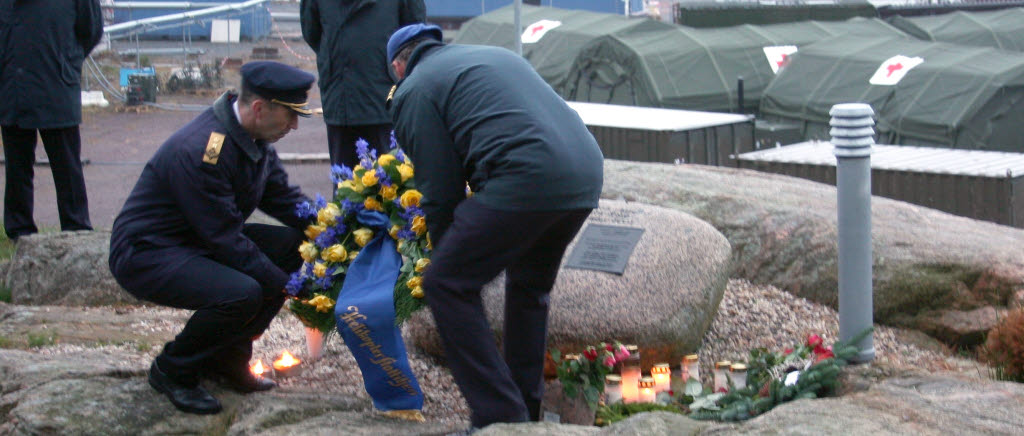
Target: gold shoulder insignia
(391, 93)
(213, 148)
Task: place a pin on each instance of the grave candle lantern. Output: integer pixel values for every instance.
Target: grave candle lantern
(631, 375)
(646, 390)
(662, 376)
(287, 365)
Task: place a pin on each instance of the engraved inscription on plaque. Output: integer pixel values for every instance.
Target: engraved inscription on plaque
(604, 248)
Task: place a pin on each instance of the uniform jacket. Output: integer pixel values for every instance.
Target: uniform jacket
(42, 46)
(483, 115)
(350, 39)
(193, 198)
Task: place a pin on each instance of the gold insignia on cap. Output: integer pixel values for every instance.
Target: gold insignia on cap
(213, 148)
(297, 107)
(391, 93)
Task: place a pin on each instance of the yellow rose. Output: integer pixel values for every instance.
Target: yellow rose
(346, 184)
(352, 255)
(369, 178)
(385, 159)
(371, 203)
(314, 230)
(363, 236)
(414, 282)
(430, 244)
(419, 225)
(388, 192)
(334, 253)
(328, 216)
(422, 264)
(406, 171)
(323, 303)
(417, 292)
(308, 251)
(320, 269)
(394, 231)
(410, 198)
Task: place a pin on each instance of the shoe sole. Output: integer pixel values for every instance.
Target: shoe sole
(223, 381)
(183, 408)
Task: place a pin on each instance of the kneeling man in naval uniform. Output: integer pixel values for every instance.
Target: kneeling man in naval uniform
(181, 239)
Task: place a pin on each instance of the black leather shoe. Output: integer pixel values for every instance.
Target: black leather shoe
(243, 382)
(186, 399)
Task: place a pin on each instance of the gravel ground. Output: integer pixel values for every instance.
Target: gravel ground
(749, 316)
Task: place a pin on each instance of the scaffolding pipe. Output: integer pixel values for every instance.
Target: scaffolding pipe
(145, 23)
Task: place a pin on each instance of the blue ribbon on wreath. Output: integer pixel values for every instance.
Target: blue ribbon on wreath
(365, 313)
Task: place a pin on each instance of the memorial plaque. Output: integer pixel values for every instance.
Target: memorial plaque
(604, 248)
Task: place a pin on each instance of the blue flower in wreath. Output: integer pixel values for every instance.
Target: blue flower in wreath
(406, 234)
(319, 202)
(295, 283)
(327, 280)
(340, 173)
(383, 178)
(305, 210)
(329, 236)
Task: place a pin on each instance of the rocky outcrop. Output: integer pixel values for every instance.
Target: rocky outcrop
(932, 271)
(929, 266)
(66, 268)
(665, 300)
(96, 393)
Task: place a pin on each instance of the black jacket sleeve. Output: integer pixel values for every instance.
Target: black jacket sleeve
(438, 168)
(205, 197)
(413, 11)
(279, 198)
(88, 25)
(309, 18)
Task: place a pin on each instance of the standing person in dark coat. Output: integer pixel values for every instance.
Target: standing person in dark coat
(42, 46)
(482, 115)
(181, 238)
(348, 37)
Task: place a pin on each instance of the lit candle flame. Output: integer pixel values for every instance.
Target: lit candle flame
(258, 369)
(286, 361)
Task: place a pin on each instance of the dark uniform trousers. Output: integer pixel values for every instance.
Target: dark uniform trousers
(231, 308)
(63, 147)
(479, 244)
(341, 141)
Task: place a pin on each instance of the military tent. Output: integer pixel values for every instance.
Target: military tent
(552, 36)
(923, 93)
(1002, 29)
(669, 66)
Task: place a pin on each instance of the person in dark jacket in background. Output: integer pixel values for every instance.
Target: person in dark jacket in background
(348, 37)
(481, 115)
(42, 46)
(181, 239)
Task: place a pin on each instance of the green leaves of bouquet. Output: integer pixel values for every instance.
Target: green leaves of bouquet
(584, 373)
(810, 370)
(381, 183)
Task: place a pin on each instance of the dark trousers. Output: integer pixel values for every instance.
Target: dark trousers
(231, 308)
(341, 141)
(63, 147)
(480, 243)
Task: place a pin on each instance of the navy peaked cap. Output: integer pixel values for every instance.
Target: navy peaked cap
(408, 34)
(279, 83)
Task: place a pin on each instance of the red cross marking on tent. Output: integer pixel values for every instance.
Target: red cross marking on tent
(783, 60)
(893, 68)
(535, 29)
